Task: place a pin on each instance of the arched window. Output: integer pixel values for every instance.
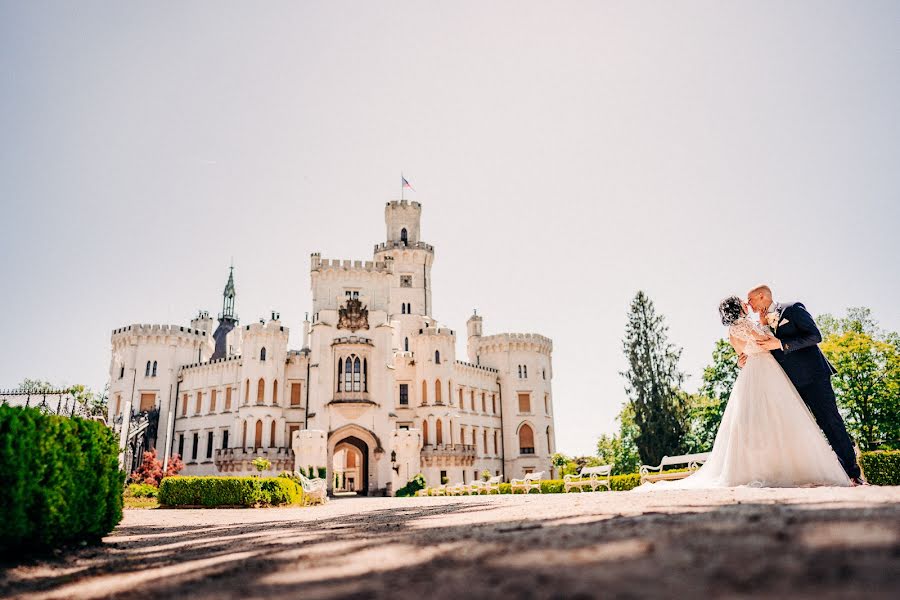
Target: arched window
(439, 432)
(356, 374)
(340, 374)
(272, 435)
(262, 353)
(406, 344)
(260, 391)
(247, 393)
(408, 308)
(403, 308)
(154, 368)
(404, 236)
(258, 437)
(496, 439)
(244, 435)
(460, 398)
(483, 402)
(121, 371)
(549, 441)
(275, 393)
(365, 375)
(437, 357)
(525, 371)
(348, 375)
(147, 370)
(425, 433)
(485, 441)
(494, 403)
(437, 391)
(526, 439)
(424, 392)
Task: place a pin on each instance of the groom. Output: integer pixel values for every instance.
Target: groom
(796, 349)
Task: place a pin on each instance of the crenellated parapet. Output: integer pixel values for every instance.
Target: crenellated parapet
(437, 331)
(468, 368)
(326, 265)
(523, 342)
(152, 333)
(352, 340)
(214, 364)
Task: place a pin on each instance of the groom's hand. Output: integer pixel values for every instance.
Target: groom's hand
(769, 344)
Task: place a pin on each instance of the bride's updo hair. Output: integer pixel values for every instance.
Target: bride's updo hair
(730, 310)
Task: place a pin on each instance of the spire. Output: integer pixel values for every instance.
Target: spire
(228, 296)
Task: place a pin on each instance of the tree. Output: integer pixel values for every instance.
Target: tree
(708, 405)
(35, 386)
(653, 381)
(151, 471)
(867, 384)
(620, 449)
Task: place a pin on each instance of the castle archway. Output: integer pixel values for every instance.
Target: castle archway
(358, 447)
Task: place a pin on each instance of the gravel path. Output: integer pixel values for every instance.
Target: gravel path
(818, 543)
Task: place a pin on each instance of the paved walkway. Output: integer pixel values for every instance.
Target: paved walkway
(818, 543)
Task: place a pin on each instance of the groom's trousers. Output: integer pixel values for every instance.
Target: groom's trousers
(819, 397)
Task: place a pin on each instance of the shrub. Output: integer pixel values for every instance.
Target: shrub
(141, 490)
(882, 467)
(151, 470)
(61, 481)
(412, 486)
(228, 491)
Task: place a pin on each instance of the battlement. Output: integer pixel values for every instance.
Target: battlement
(146, 329)
(211, 363)
(436, 331)
(501, 342)
(403, 246)
(468, 365)
(401, 204)
(317, 263)
(269, 328)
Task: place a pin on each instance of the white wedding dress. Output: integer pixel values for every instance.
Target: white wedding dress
(768, 437)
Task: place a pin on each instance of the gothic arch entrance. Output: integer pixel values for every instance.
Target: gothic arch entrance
(350, 466)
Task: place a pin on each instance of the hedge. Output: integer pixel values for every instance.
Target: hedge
(882, 467)
(228, 491)
(60, 481)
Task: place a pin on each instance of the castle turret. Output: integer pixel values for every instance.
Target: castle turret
(473, 329)
(227, 319)
(401, 220)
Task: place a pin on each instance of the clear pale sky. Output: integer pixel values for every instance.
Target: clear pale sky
(566, 155)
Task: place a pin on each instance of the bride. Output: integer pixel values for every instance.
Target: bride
(768, 437)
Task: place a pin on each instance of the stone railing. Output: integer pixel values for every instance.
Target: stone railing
(241, 459)
(448, 454)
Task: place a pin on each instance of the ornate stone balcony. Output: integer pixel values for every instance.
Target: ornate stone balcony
(352, 404)
(241, 459)
(450, 455)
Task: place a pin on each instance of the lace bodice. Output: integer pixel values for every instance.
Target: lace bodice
(746, 330)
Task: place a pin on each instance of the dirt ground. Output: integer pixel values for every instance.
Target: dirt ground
(818, 543)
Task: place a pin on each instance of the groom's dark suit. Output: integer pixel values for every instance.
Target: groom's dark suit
(810, 372)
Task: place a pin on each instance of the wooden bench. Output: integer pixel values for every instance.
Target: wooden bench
(589, 477)
(693, 462)
(531, 481)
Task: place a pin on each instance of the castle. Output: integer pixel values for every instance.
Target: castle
(373, 362)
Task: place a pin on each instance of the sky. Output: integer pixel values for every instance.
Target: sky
(566, 156)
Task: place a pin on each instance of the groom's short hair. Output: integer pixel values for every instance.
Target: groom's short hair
(761, 288)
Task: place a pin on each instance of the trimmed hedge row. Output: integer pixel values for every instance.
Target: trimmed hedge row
(60, 481)
(228, 491)
(882, 467)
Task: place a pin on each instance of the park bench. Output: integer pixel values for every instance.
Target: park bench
(491, 485)
(589, 477)
(693, 462)
(531, 481)
(313, 489)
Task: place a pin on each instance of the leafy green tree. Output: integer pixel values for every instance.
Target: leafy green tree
(653, 382)
(867, 384)
(620, 449)
(35, 385)
(708, 405)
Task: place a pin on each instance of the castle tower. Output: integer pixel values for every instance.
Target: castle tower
(473, 330)
(411, 259)
(227, 319)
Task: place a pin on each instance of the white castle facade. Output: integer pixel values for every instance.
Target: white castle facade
(374, 362)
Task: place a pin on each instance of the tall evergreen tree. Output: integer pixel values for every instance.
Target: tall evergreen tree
(653, 383)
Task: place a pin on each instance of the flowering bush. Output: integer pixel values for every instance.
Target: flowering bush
(151, 472)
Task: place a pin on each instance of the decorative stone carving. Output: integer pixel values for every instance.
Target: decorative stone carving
(354, 316)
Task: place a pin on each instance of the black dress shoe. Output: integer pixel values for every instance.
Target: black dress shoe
(859, 481)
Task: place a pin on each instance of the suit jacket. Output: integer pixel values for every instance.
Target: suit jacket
(801, 358)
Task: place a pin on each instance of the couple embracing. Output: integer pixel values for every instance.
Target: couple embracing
(781, 404)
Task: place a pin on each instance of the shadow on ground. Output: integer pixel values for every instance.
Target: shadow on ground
(762, 550)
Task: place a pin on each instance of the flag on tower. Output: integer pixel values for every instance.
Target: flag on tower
(406, 183)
